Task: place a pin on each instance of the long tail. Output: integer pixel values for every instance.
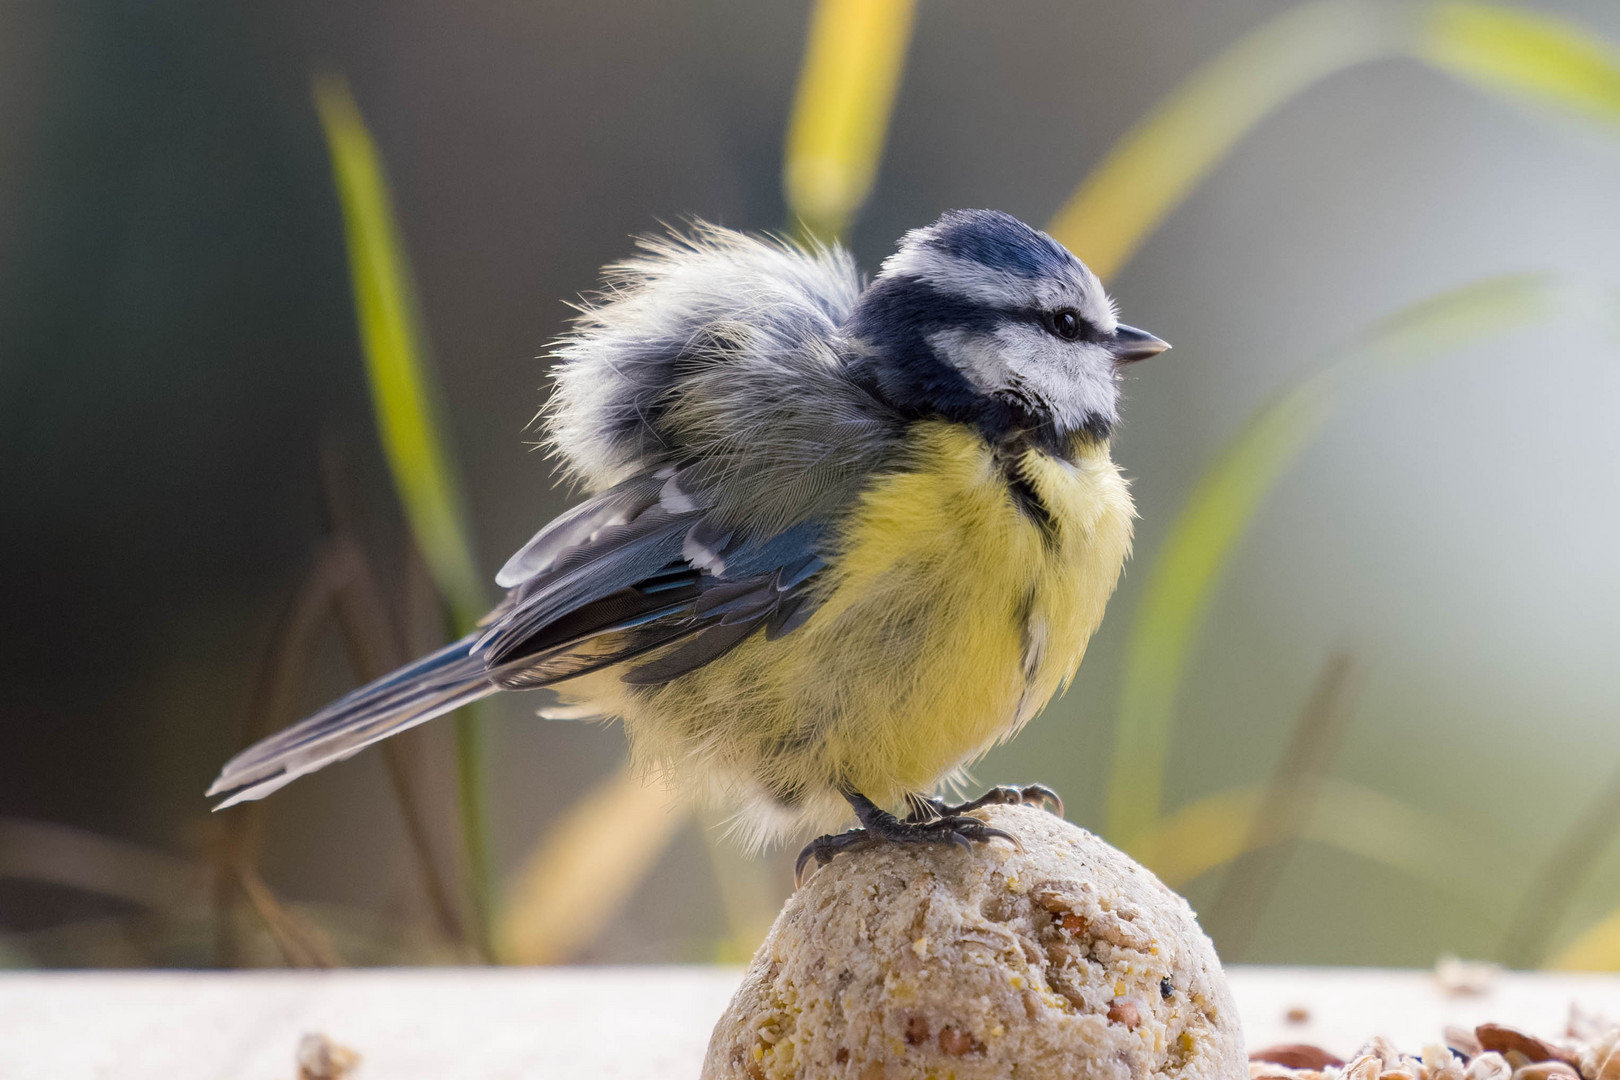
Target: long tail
(415, 694)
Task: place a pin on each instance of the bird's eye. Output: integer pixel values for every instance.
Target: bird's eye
(1066, 325)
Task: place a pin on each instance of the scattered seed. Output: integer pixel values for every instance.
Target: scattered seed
(319, 1058)
(1462, 1041)
(1505, 1040)
(1297, 1056)
(1124, 1012)
(1489, 1065)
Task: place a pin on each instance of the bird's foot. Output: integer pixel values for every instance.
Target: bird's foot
(823, 849)
(929, 807)
(878, 826)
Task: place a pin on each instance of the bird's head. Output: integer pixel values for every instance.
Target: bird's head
(981, 319)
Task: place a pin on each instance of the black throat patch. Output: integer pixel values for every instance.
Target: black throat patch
(1024, 495)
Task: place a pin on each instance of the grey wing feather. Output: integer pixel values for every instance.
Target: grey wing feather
(624, 555)
(768, 587)
(580, 527)
(430, 687)
(699, 612)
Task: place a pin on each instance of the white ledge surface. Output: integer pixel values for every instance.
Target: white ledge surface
(648, 1023)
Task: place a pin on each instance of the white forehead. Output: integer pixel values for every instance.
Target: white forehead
(1070, 284)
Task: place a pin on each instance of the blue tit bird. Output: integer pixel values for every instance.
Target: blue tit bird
(840, 539)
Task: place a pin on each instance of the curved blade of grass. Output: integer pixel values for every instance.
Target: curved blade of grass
(576, 881)
(405, 402)
(1184, 575)
(1515, 52)
(1347, 817)
(1291, 795)
(851, 69)
(397, 367)
(1552, 889)
(1524, 54)
(1153, 168)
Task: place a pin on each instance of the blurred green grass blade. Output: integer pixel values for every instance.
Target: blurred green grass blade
(1552, 890)
(1178, 592)
(1183, 576)
(1382, 829)
(1154, 167)
(853, 58)
(1515, 52)
(405, 402)
(402, 386)
(1524, 54)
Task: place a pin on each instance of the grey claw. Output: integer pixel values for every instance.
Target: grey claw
(990, 832)
(798, 867)
(823, 849)
(1043, 796)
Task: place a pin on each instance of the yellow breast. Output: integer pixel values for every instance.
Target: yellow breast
(949, 615)
(1002, 602)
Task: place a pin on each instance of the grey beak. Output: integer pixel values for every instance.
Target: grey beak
(1130, 345)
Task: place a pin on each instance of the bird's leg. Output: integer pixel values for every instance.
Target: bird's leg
(878, 826)
(928, 807)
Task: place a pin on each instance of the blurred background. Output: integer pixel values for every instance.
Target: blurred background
(1356, 696)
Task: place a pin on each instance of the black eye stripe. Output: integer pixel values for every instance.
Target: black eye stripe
(909, 301)
(1049, 321)
(1044, 320)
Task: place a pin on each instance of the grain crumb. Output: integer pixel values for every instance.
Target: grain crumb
(320, 1058)
(1124, 1012)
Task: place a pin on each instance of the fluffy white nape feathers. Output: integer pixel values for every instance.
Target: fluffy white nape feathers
(685, 298)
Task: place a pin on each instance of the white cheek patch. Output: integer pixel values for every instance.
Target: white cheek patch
(1077, 380)
(977, 356)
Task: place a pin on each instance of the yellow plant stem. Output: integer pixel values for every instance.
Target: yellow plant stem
(1597, 949)
(577, 879)
(851, 69)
